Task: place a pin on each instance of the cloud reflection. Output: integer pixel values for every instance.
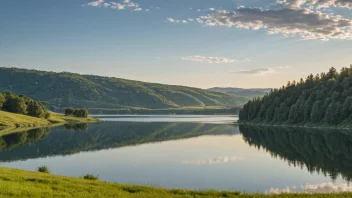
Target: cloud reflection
(217, 160)
(313, 188)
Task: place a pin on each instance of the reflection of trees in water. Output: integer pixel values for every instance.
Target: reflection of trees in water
(105, 135)
(76, 127)
(323, 151)
(11, 141)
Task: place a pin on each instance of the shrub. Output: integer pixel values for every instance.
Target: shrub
(82, 113)
(43, 169)
(35, 109)
(90, 177)
(69, 111)
(47, 115)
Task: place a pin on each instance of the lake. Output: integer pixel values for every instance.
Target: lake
(190, 152)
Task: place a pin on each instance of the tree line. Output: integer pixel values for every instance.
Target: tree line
(323, 99)
(82, 113)
(21, 104)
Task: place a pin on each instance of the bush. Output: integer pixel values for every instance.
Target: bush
(90, 177)
(47, 115)
(82, 113)
(36, 110)
(43, 169)
(69, 111)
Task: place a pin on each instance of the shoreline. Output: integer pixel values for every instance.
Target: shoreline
(20, 183)
(55, 120)
(295, 126)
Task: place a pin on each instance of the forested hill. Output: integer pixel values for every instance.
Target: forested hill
(62, 90)
(248, 93)
(323, 99)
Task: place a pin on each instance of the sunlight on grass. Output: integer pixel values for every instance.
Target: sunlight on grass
(18, 183)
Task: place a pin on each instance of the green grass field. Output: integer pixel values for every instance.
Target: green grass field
(18, 183)
(14, 122)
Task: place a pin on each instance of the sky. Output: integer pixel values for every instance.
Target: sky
(198, 43)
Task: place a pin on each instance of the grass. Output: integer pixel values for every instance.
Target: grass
(11, 122)
(18, 183)
(17, 120)
(61, 118)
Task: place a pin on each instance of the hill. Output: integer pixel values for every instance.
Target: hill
(324, 99)
(248, 93)
(64, 89)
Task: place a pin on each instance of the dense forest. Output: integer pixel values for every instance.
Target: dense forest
(324, 99)
(21, 104)
(327, 152)
(62, 90)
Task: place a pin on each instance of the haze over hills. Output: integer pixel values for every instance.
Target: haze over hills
(65, 89)
(248, 93)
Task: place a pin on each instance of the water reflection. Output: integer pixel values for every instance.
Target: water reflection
(72, 139)
(322, 151)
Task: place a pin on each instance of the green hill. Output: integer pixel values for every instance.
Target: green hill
(248, 93)
(62, 90)
(321, 100)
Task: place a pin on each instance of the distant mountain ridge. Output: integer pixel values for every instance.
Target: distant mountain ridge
(65, 89)
(248, 93)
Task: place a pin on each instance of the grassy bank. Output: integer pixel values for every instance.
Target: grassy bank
(18, 183)
(12, 121)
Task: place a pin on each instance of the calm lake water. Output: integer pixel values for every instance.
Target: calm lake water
(191, 152)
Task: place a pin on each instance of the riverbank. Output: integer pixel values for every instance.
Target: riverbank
(18, 183)
(206, 110)
(320, 126)
(15, 122)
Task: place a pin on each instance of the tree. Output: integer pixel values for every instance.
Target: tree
(35, 109)
(83, 113)
(16, 104)
(316, 114)
(69, 111)
(322, 99)
(2, 100)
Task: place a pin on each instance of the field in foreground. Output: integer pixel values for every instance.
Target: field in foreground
(18, 183)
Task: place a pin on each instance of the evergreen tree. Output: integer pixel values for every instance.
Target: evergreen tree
(325, 98)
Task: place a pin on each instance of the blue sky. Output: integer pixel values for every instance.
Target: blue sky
(201, 43)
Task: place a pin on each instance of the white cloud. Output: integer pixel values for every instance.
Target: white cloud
(211, 9)
(217, 160)
(304, 23)
(171, 20)
(184, 21)
(260, 71)
(124, 4)
(310, 188)
(96, 3)
(204, 59)
(296, 4)
(138, 9)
